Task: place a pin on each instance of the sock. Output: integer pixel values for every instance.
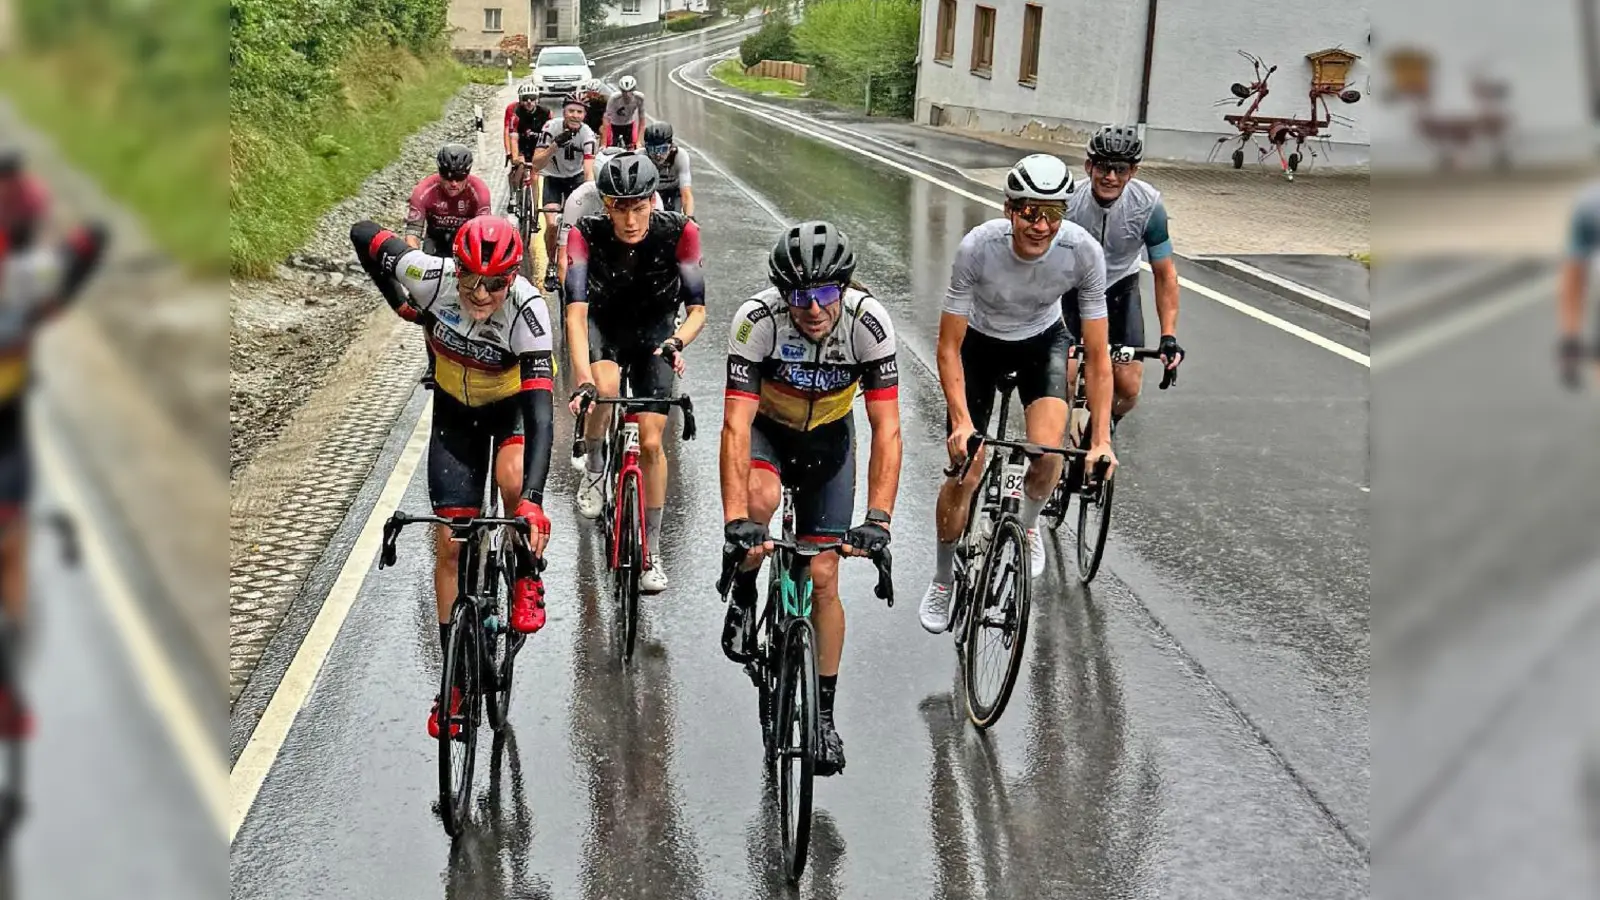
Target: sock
(744, 585)
(1030, 510)
(596, 462)
(652, 529)
(444, 635)
(828, 684)
(944, 566)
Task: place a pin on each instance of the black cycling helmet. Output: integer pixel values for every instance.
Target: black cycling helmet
(1116, 143)
(10, 161)
(658, 133)
(455, 161)
(811, 253)
(627, 176)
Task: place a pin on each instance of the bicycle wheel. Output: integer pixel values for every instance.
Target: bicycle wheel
(1055, 509)
(526, 216)
(797, 742)
(630, 561)
(997, 625)
(1094, 523)
(458, 755)
(500, 642)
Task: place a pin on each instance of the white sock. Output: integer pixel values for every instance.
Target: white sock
(1030, 511)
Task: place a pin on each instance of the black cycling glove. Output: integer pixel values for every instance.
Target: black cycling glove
(869, 537)
(1170, 351)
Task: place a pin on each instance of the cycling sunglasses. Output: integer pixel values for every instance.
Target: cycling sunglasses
(490, 283)
(1033, 212)
(657, 149)
(824, 295)
(1119, 169)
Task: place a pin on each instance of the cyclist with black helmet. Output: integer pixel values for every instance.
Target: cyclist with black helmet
(624, 115)
(443, 202)
(24, 201)
(595, 96)
(525, 121)
(797, 352)
(1002, 314)
(1128, 218)
(489, 331)
(672, 166)
(627, 274)
(583, 202)
(566, 155)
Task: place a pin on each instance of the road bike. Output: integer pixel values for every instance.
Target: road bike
(993, 591)
(622, 513)
(784, 671)
(1094, 503)
(480, 648)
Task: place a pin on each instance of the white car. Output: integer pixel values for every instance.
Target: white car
(559, 70)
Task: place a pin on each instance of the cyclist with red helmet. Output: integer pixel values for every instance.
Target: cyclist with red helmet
(489, 331)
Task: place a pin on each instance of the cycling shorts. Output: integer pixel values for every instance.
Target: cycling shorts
(1125, 312)
(648, 374)
(1040, 363)
(620, 135)
(820, 465)
(458, 453)
(671, 199)
(16, 462)
(557, 190)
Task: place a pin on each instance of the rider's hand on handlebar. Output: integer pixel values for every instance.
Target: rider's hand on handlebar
(956, 444)
(1103, 451)
(866, 539)
(585, 393)
(748, 535)
(538, 525)
(672, 349)
(1172, 357)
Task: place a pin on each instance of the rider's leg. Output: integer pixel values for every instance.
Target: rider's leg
(607, 380)
(1125, 310)
(653, 460)
(1128, 379)
(1046, 423)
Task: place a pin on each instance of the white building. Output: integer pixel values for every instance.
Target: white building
(479, 27)
(1074, 65)
(623, 13)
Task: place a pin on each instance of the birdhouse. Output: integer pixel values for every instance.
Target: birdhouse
(1410, 72)
(1330, 69)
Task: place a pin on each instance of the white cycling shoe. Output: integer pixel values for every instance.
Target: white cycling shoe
(1035, 552)
(591, 499)
(653, 580)
(934, 612)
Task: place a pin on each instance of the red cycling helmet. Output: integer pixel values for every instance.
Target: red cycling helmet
(488, 246)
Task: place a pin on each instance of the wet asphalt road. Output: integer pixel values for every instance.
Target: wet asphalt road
(1194, 725)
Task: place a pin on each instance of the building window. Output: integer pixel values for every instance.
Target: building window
(631, 7)
(983, 41)
(945, 50)
(1032, 18)
(491, 20)
(552, 24)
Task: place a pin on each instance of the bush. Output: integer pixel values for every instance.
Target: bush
(687, 23)
(845, 41)
(775, 41)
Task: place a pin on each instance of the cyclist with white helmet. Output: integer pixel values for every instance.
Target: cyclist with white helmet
(1128, 218)
(525, 120)
(1002, 314)
(624, 115)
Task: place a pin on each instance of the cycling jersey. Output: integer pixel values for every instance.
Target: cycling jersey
(34, 285)
(526, 125)
(802, 384)
(568, 160)
(584, 202)
(673, 171)
(1584, 236)
(1006, 297)
(435, 214)
(625, 108)
(23, 203)
(1133, 225)
(629, 287)
(594, 112)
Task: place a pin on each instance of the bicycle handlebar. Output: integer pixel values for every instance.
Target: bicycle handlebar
(682, 401)
(1124, 354)
(1031, 450)
(399, 520)
(733, 554)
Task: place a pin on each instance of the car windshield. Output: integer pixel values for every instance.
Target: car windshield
(561, 58)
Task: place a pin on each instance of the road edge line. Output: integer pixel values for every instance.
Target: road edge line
(1288, 289)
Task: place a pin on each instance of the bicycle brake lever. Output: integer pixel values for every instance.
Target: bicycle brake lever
(1169, 377)
(885, 587)
(391, 535)
(688, 418)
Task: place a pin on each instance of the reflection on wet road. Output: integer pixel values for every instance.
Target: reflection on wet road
(1193, 725)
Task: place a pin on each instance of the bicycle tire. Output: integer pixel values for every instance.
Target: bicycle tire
(502, 644)
(1013, 624)
(1055, 509)
(797, 709)
(1091, 550)
(525, 221)
(461, 670)
(630, 560)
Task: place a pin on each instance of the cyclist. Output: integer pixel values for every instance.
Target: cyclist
(566, 153)
(1002, 314)
(796, 353)
(441, 203)
(490, 332)
(627, 273)
(584, 202)
(525, 121)
(624, 115)
(595, 98)
(1130, 221)
(35, 285)
(1582, 244)
(672, 164)
(24, 201)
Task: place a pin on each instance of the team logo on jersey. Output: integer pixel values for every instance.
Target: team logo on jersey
(461, 206)
(413, 271)
(834, 355)
(450, 316)
(790, 351)
(742, 335)
(532, 318)
(432, 274)
(873, 325)
(758, 313)
(809, 378)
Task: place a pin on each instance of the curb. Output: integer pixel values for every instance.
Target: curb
(1310, 298)
(1474, 284)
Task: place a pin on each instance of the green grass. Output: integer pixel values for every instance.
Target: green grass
(731, 73)
(284, 178)
(492, 74)
(1364, 258)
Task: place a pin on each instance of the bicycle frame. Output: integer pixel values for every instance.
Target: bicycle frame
(622, 452)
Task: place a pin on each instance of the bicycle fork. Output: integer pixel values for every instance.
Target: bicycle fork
(630, 466)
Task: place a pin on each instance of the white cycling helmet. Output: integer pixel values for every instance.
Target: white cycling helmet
(527, 90)
(604, 156)
(1039, 176)
(626, 83)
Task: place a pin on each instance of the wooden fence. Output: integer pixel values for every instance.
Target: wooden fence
(788, 71)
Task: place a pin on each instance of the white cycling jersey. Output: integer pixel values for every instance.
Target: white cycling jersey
(1012, 299)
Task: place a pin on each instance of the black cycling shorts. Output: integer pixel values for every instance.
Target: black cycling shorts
(672, 199)
(16, 462)
(1124, 309)
(620, 135)
(820, 465)
(557, 190)
(649, 375)
(458, 453)
(1040, 363)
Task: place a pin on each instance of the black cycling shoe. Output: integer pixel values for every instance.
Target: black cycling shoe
(739, 630)
(830, 756)
(550, 282)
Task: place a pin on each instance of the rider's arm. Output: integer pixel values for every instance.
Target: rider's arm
(1158, 246)
(751, 331)
(577, 283)
(1585, 240)
(570, 213)
(1096, 336)
(694, 284)
(680, 164)
(953, 330)
(531, 340)
(589, 150)
(397, 270)
(79, 254)
(880, 384)
(511, 131)
(480, 194)
(417, 215)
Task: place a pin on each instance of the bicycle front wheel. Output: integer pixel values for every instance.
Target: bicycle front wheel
(630, 561)
(997, 625)
(500, 642)
(797, 742)
(458, 754)
(1094, 523)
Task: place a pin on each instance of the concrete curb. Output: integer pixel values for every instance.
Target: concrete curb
(1312, 299)
(1473, 283)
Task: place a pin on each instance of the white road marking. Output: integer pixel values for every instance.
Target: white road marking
(678, 78)
(158, 678)
(290, 696)
(1316, 295)
(1393, 353)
